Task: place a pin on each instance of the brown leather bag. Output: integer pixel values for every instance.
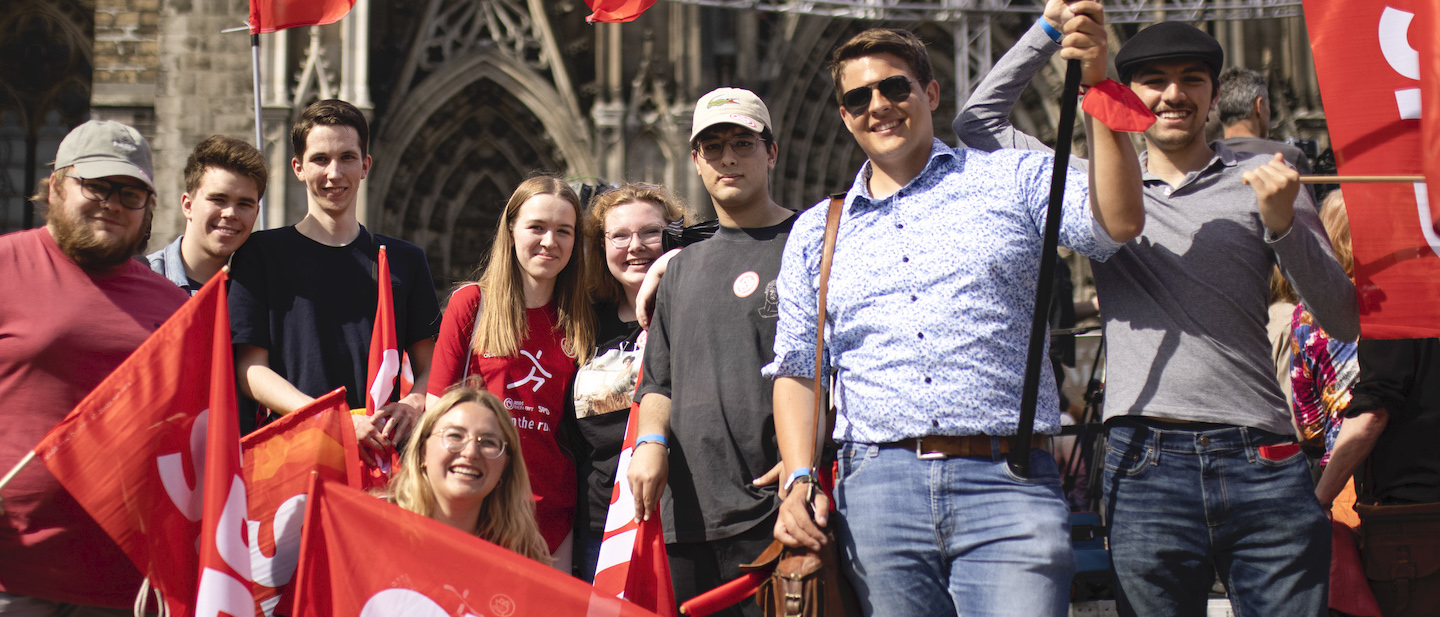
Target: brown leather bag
(806, 583)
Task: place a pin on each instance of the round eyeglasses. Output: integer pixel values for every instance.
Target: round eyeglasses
(131, 197)
(454, 441)
(647, 237)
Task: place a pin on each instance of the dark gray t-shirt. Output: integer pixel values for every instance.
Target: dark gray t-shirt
(714, 328)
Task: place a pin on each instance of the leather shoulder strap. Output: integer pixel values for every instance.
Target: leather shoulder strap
(827, 255)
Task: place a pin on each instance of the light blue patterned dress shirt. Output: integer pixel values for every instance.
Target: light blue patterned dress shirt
(931, 295)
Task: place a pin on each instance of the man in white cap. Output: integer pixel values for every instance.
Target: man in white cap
(76, 305)
(705, 414)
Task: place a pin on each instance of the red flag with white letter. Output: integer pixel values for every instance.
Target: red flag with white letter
(1427, 28)
(616, 11)
(633, 563)
(276, 15)
(1368, 60)
(152, 454)
(428, 569)
(383, 369)
(279, 460)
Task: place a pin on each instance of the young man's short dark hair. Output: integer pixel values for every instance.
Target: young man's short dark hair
(227, 153)
(331, 112)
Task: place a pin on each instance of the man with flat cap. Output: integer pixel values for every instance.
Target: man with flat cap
(75, 305)
(1202, 471)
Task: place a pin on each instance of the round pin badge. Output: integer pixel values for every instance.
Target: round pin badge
(745, 284)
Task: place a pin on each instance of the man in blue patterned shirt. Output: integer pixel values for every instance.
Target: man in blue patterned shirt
(931, 295)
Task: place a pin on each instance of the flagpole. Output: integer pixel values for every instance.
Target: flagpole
(1045, 286)
(1358, 179)
(14, 471)
(259, 128)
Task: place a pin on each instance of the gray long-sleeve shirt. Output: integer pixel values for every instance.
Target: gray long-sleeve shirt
(1184, 304)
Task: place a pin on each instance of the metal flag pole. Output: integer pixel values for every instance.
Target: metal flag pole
(1045, 287)
(259, 128)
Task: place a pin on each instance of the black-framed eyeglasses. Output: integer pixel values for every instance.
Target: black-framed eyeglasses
(713, 150)
(131, 197)
(647, 237)
(454, 440)
(896, 88)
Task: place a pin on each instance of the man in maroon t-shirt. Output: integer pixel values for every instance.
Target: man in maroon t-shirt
(75, 305)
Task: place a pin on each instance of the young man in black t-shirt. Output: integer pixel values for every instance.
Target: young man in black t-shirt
(705, 415)
(302, 300)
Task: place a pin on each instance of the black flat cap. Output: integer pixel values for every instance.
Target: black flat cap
(1169, 40)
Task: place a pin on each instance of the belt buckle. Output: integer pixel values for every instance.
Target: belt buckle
(921, 454)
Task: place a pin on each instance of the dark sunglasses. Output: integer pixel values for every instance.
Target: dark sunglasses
(896, 88)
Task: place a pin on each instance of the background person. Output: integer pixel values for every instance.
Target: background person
(519, 332)
(625, 225)
(465, 469)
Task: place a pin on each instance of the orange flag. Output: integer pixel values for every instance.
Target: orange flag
(360, 555)
(1427, 29)
(276, 15)
(383, 368)
(152, 454)
(317, 439)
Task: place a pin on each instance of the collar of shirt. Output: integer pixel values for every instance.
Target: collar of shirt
(1222, 157)
(859, 194)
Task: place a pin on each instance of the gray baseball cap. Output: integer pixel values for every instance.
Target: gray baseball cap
(730, 106)
(101, 148)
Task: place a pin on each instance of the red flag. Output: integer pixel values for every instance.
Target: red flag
(317, 439)
(276, 15)
(360, 555)
(616, 11)
(633, 564)
(224, 571)
(383, 369)
(154, 450)
(1427, 28)
(1368, 62)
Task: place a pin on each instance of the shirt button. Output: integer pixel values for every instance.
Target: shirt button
(927, 380)
(935, 423)
(920, 334)
(899, 226)
(905, 259)
(912, 298)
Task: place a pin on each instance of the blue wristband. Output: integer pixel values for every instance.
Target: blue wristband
(1050, 30)
(652, 437)
(800, 472)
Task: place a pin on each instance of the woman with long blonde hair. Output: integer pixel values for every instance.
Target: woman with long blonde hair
(519, 332)
(464, 468)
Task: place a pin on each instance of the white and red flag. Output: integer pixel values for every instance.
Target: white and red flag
(153, 455)
(633, 564)
(427, 569)
(1368, 57)
(279, 460)
(276, 15)
(382, 370)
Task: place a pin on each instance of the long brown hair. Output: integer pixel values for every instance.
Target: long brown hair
(507, 517)
(1337, 225)
(602, 284)
(502, 322)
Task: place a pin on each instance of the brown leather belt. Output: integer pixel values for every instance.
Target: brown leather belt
(947, 446)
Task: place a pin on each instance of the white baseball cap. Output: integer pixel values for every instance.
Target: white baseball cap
(730, 106)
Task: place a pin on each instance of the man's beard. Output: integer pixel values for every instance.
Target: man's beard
(80, 244)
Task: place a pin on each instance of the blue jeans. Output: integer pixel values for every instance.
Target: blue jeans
(958, 536)
(1186, 503)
